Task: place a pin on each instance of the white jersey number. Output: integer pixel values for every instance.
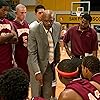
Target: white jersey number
(97, 95)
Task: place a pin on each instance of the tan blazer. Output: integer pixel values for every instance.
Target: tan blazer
(38, 47)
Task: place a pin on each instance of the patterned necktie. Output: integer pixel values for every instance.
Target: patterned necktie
(51, 47)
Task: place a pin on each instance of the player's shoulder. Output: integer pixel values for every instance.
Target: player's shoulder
(93, 31)
(97, 85)
(33, 24)
(69, 94)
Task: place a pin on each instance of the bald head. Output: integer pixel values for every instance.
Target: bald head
(48, 19)
(48, 13)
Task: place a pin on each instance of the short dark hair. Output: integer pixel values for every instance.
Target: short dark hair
(87, 17)
(3, 3)
(69, 65)
(39, 7)
(92, 63)
(15, 84)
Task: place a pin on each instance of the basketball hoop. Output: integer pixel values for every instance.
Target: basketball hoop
(80, 8)
(78, 13)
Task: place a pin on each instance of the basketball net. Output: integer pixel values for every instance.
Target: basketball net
(78, 13)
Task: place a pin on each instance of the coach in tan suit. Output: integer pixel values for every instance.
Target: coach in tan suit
(44, 53)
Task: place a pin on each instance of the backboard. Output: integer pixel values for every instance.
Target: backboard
(80, 8)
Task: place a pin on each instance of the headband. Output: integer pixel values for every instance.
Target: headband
(67, 74)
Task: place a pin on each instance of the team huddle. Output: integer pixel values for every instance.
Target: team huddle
(30, 57)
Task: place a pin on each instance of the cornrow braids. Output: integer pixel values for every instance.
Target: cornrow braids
(69, 65)
(92, 63)
(62, 66)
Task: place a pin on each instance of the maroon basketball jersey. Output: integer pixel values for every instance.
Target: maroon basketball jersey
(21, 52)
(96, 78)
(6, 48)
(85, 89)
